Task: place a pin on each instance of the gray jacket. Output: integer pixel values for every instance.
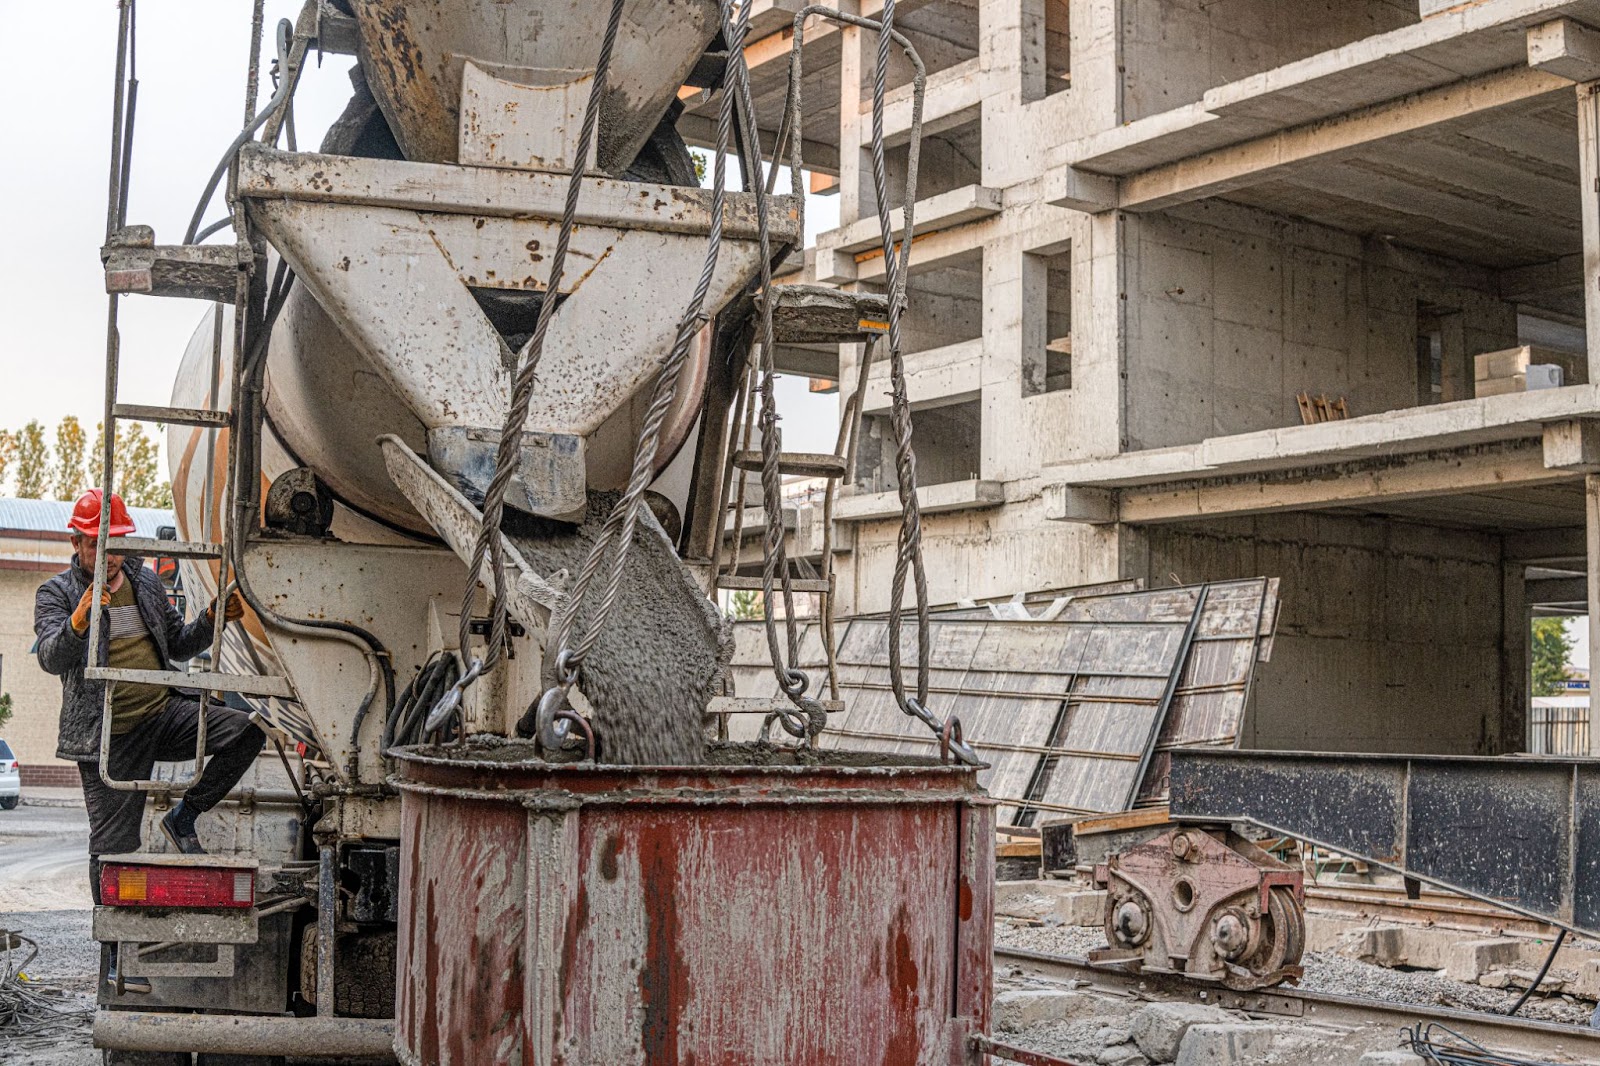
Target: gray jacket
(63, 652)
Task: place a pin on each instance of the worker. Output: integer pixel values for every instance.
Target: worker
(139, 630)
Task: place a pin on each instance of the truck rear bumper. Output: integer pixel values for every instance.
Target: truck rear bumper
(233, 1034)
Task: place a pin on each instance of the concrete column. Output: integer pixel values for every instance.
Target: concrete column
(856, 198)
(1510, 733)
(1589, 192)
(1591, 514)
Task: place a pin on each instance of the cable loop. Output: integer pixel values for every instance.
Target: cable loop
(451, 700)
(794, 683)
(553, 719)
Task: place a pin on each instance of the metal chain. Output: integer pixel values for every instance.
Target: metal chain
(489, 543)
(554, 719)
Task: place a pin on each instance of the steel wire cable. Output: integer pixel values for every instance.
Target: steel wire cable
(489, 545)
(616, 535)
(896, 264)
(1439, 1044)
(808, 717)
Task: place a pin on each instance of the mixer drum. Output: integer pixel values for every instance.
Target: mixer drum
(414, 51)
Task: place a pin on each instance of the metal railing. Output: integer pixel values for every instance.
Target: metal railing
(1558, 731)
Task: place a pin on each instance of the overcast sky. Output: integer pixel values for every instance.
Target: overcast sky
(55, 125)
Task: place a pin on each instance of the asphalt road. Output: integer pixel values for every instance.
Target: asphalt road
(44, 895)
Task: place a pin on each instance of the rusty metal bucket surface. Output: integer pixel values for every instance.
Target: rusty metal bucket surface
(726, 914)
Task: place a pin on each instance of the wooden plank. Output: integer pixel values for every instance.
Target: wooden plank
(1116, 823)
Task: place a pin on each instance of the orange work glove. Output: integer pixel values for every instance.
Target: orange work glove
(80, 613)
(232, 611)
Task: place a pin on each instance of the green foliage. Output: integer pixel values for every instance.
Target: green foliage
(71, 443)
(138, 464)
(1551, 646)
(745, 605)
(5, 708)
(33, 462)
(8, 452)
(700, 165)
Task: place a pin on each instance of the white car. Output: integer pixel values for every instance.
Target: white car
(10, 778)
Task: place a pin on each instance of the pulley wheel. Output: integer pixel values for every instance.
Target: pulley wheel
(1283, 935)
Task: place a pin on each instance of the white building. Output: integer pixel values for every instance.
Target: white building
(1145, 229)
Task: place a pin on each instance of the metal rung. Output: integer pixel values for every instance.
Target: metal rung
(244, 684)
(144, 547)
(796, 464)
(762, 705)
(177, 416)
(753, 584)
(134, 263)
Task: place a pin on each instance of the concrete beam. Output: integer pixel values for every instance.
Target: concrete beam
(1528, 284)
(1073, 503)
(1544, 546)
(1562, 590)
(1081, 191)
(933, 499)
(1264, 158)
(940, 211)
(1487, 469)
(1566, 49)
(1573, 445)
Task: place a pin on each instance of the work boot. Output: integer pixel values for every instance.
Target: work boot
(136, 985)
(178, 825)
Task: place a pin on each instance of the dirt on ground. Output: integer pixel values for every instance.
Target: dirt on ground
(44, 896)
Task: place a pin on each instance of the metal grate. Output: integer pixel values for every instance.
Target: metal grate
(1075, 715)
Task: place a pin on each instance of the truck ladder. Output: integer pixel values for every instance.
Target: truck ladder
(135, 264)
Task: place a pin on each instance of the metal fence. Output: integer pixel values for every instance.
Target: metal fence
(1559, 731)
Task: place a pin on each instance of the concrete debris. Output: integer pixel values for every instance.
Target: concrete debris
(1159, 1028)
(1023, 1009)
(1122, 1055)
(1391, 1058)
(1227, 1044)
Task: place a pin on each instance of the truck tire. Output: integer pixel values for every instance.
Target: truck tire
(10, 802)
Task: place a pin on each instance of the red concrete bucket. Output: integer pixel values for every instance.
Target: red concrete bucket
(758, 915)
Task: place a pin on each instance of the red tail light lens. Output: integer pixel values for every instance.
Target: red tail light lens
(176, 886)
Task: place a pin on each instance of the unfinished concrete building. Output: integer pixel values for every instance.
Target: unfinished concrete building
(1205, 289)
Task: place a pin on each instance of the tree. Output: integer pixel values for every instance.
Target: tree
(8, 452)
(71, 443)
(5, 708)
(33, 462)
(138, 466)
(745, 605)
(700, 164)
(1551, 646)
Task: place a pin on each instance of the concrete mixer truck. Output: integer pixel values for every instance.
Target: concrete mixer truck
(462, 426)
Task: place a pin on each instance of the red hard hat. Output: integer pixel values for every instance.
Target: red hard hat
(86, 515)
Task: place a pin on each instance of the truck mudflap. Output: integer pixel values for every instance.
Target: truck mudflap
(233, 1034)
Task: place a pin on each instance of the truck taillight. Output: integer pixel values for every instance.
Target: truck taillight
(176, 886)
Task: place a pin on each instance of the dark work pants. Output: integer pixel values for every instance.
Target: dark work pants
(116, 816)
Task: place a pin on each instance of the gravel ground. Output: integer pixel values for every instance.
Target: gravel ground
(44, 891)
(1335, 975)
